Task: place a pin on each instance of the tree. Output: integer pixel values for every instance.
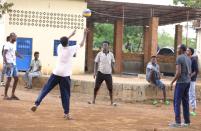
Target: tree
(189, 3)
(5, 8)
(132, 35)
(103, 32)
(133, 39)
(165, 40)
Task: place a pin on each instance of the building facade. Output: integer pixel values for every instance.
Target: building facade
(39, 24)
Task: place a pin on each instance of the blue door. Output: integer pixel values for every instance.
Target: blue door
(24, 48)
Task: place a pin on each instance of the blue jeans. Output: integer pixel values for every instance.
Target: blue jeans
(181, 95)
(64, 84)
(11, 70)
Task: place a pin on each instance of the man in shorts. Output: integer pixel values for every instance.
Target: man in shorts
(9, 56)
(104, 63)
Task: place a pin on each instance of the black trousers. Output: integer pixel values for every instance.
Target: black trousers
(104, 77)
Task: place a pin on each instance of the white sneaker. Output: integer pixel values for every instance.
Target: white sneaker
(114, 104)
(2, 83)
(67, 117)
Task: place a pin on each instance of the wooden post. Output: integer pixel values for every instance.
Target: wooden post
(178, 38)
(118, 42)
(153, 35)
(89, 48)
(146, 47)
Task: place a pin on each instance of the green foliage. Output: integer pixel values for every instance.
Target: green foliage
(189, 3)
(133, 39)
(165, 40)
(5, 8)
(134, 36)
(191, 42)
(103, 32)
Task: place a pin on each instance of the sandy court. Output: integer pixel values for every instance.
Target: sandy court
(16, 115)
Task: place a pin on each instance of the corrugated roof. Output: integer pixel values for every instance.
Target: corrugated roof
(139, 14)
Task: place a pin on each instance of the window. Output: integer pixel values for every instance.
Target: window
(56, 43)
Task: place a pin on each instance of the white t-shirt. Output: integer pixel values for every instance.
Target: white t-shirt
(105, 62)
(10, 55)
(64, 60)
(35, 64)
(3, 47)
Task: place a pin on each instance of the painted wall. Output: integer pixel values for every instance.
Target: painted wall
(2, 34)
(198, 51)
(45, 21)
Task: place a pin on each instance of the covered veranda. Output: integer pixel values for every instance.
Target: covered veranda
(146, 15)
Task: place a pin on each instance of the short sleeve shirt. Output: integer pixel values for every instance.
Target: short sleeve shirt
(105, 62)
(35, 64)
(11, 50)
(64, 60)
(150, 67)
(194, 68)
(185, 63)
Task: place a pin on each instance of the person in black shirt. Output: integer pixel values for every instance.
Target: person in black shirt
(194, 69)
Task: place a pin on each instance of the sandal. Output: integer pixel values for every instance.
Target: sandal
(34, 108)
(155, 102)
(14, 98)
(167, 102)
(6, 98)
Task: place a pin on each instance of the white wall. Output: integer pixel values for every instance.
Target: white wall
(198, 50)
(43, 37)
(2, 36)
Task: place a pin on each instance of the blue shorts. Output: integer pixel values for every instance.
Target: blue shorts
(11, 71)
(159, 84)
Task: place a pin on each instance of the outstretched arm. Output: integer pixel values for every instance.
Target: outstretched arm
(73, 33)
(84, 38)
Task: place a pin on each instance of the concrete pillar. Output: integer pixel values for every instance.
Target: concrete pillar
(153, 36)
(146, 47)
(178, 38)
(89, 48)
(118, 42)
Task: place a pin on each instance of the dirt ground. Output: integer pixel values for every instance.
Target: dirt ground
(16, 115)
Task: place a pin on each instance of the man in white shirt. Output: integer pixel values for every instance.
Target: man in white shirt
(9, 56)
(61, 74)
(4, 65)
(34, 70)
(104, 63)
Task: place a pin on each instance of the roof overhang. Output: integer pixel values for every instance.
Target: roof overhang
(139, 14)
